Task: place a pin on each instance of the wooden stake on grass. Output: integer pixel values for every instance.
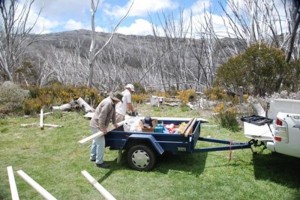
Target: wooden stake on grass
(42, 119)
(12, 184)
(26, 125)
(36, 186)
(45, 125)
(98, 186)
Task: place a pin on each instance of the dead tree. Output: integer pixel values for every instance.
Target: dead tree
(93, 53)
(14, 35)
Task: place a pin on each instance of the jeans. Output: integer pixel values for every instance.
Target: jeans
(98, 147)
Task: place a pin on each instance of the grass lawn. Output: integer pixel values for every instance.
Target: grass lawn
(54, 158)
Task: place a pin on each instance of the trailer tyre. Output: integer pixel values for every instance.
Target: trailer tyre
(141, 157)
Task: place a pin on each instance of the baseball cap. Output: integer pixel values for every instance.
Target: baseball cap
(130, 86)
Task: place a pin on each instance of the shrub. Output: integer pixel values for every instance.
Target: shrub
(139, 88)
(186, 95)
(32, 106)
(139, 98)
(11, 97)
(215, 93)
(226, 117)
(57, 94)
(260, 70)
(160, 94)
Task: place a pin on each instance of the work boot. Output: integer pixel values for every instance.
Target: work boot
(103, 165)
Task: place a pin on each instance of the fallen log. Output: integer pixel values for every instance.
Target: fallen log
(89, 115)
(171, 104)
(260, 111)
(169, 100)
(85, 105)
(64, 107)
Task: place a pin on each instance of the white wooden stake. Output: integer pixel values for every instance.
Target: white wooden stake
(12, 183)
(42, 119)
(36, 186)
(91, 137)
(97, 185)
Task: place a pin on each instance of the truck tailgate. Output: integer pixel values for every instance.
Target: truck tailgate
(262, 133)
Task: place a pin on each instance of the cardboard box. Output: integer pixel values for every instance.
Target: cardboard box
(147, 129)
(154, 123)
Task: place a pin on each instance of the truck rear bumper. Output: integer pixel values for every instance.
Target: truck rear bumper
(271, 146)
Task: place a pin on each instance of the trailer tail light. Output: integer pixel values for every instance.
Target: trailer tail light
(281, 131)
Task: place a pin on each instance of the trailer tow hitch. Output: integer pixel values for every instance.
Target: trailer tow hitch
(256, 143)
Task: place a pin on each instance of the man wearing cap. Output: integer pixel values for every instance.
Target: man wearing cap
(126, 105)
(104, 113)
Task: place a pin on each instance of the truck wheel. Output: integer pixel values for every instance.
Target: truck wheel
(141, 157)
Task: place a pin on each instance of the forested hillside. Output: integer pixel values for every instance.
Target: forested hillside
(259, 40)
(158, 62)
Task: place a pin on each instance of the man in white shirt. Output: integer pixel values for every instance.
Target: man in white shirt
(126, 105)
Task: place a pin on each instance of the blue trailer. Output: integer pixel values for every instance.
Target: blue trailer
(143, 148)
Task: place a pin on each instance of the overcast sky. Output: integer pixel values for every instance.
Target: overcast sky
(65, 15)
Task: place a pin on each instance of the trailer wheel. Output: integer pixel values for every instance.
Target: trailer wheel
(141, 157)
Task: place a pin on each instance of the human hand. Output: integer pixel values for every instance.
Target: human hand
(104, 131)
(116, 125)
(100, 133)
(133, 113)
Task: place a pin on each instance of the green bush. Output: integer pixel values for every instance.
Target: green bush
(186, 95)
(32, 106)
(226, 117)
(215, 93)
(261, 70)
(139, 97)
(139, 88)
(58, 94)
(228, 121)
(11, 98)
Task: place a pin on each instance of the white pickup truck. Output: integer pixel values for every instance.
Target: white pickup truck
(279, 131)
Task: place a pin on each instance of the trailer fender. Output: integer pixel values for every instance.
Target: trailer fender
(139, 139)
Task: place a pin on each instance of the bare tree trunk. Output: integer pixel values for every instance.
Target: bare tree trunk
(13, 35)
(94, 53)
(295, 18)
(92, 46)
